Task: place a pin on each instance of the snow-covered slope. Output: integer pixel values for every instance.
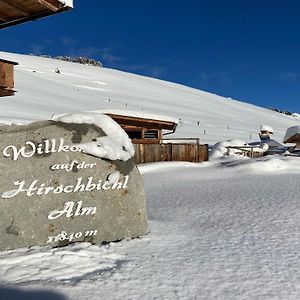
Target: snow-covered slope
(42, 93)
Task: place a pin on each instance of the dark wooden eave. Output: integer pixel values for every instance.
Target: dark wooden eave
(142, 122)
(14, 12)
(8, 62)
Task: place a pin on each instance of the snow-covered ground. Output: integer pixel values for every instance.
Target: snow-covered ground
(222, 230)
(226, 229)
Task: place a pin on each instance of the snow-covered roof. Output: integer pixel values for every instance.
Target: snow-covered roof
(266, 128)
(128, 113)
(138, 114)
(292, 135)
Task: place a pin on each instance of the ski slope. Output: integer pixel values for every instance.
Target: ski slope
(42, 93)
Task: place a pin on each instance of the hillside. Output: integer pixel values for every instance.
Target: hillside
(42, 93)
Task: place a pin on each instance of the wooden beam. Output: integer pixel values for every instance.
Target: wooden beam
(15, 8)
(48, 5)
(5, 92)
(142, 122)
(4, 17)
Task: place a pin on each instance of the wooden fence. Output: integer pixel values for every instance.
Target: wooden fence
(146, 153)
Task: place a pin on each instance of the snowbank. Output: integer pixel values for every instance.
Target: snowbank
(220, 149)
(274, 164)
(115, 145)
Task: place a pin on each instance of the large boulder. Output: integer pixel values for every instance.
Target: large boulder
(53, 191)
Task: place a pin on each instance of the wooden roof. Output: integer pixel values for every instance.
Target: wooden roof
(293, 139)
(8, 62)
(13, 12)
(142, 122)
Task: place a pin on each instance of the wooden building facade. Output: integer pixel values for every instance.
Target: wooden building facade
(7, 81)
(146, 153)
(144, 130)
(293, 137)
(148, 134)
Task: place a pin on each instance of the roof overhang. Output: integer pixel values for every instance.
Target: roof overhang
(14, 12)
(142, 122)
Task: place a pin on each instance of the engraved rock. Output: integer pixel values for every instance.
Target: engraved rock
(51, 193)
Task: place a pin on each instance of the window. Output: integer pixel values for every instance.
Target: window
(151, 134)
(134, 134)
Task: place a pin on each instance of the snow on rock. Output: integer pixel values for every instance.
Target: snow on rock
(115, 145)
(291, 132)
(296, 115)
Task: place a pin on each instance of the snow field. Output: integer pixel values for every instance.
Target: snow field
(220, 230)
(85, 88)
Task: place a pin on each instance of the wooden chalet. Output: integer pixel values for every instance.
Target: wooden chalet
(144, 130)
(14, 12)
(147, 133)
(293, 136)
(7, 78)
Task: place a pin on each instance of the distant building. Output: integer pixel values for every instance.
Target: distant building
(292, 136)
(265, 132)
(7, 78)
(143, 128)
(265, 135)
(147, 132)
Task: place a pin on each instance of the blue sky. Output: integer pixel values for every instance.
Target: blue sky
(247, 50)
